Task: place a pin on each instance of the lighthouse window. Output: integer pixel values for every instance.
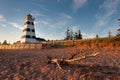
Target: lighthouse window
(27, 36)
(33, 30)
(32, 23)
(27, 29)
(33, 37)
(28, 22)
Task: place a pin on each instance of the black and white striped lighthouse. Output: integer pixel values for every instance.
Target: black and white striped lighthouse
(28, 35)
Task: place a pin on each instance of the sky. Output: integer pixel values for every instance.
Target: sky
(54, 17)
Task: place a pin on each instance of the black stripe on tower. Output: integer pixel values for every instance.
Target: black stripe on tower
(33, 37)
(28, 29)
(33, 30)
(28, 22)
(28, 36)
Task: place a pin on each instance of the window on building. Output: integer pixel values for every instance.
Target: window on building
(33, 30)
(32, 23)
(27, 29)
(28, 22)
(26, 36)
(33, 37)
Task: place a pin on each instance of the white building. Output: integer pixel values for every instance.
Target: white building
(28, 34)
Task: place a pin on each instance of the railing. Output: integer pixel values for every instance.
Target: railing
(21, 46)
(86, 43)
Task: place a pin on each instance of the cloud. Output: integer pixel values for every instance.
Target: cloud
(75, 28)
(65, 16)
(36, 22)
(17, 10)
(40, 6)
(45, 22)
(58, 1)
(16, 25)
(2, 19)
(35, 13)
(3, 25)
(50, 36)
(88, 35)
(52, 24)
(78, 4)
(109, 7)
(102, 19)
(59, 22)
(84, 34)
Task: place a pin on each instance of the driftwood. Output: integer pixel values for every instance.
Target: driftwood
(63, 61)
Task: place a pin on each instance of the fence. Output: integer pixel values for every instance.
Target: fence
(21, 46)
(86, 43)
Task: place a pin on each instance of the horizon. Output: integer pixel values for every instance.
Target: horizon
(53, 18)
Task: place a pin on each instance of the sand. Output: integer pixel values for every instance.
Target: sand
(32, 64)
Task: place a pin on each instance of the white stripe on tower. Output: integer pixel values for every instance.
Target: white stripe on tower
(28, 35)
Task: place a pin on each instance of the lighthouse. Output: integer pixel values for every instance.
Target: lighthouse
(28, 34)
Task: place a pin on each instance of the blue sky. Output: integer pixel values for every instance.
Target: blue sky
(54, 17)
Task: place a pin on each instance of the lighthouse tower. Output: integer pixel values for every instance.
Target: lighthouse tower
(28, 35)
